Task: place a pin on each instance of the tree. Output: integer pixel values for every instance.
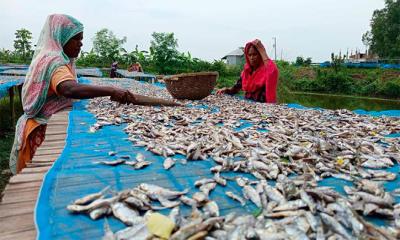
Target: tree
(384, 38)
(22, 43)
(107, 45)
(163, 51)
(308, 61)
(299, 61)
(367, 39)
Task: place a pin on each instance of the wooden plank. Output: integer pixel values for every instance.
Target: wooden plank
(13, 209)
(19, 190)
(56, 129)
(23, 186)
(36, 170)
(28, 234)
(20, 195)
(39, 164)
(56, 133)
(45, 158)
(45, 153)
(17, 223)
(46, 147)
(17, 197)
(55, 137)
(20, 178)
(53, 144)
(41, 152)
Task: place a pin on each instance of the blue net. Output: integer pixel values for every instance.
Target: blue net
(75, 175)
(89, 72)
(6, 82)
(136, 75)
(14, 72)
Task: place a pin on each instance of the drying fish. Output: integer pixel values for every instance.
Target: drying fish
(169, 163)
(290, 205)
(111, 163)
(154, 192)
(189, 201)
(200, 197)
(91, 197)
(208, 187)
(140, 165)
(306, 144)
(125, 214)
(252, 195)
(211, 209)
(220, 180)
(99, 212)
(98, 203)
(203, 181)
(236, 198)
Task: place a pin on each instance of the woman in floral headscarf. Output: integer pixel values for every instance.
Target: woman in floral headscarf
(50, 85)
(259, 77)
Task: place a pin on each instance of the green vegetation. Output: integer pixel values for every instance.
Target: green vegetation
(6, 142)
(7, 136)
(384, 37)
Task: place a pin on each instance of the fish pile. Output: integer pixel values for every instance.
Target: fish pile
(272, 142)
(292, 209)
(139, 163)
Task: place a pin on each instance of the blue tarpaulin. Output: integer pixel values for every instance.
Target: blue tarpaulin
(6, 82)
(75, 174)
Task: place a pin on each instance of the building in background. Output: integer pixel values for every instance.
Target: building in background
(235, 57)
(359, 57)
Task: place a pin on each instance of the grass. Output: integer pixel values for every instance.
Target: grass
(7, 136)
(6, 142)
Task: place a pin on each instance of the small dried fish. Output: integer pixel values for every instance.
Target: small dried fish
(91, 197)
(236, 198)
(127, 215)
(142, 164)
(111, 163)
(169, 163)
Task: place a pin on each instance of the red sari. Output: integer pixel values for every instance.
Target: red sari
(263, 80)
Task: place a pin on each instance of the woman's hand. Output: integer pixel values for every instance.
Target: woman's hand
(222, 91)
(122, 96)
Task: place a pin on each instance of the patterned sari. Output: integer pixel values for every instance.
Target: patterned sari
(37, 104)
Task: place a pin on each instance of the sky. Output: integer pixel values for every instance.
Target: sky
(208, 29)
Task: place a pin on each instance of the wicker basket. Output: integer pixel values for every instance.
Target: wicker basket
(192, 86)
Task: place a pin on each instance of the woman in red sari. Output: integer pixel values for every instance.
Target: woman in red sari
(259, 78)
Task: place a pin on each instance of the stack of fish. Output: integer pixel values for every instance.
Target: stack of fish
(305, 145)
(292, 209)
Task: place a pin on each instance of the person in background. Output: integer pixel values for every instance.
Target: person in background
(113, 72)
(259, 78)
(136, 67)
(51, 85)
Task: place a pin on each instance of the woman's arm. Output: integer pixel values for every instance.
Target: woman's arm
(233, 90)
(72, 89)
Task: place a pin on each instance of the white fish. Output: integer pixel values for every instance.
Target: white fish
(168, 163)
(154, 191)
(91, 197)
(235, 197)
(252, 195)
(127, 215)
(111, 163)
